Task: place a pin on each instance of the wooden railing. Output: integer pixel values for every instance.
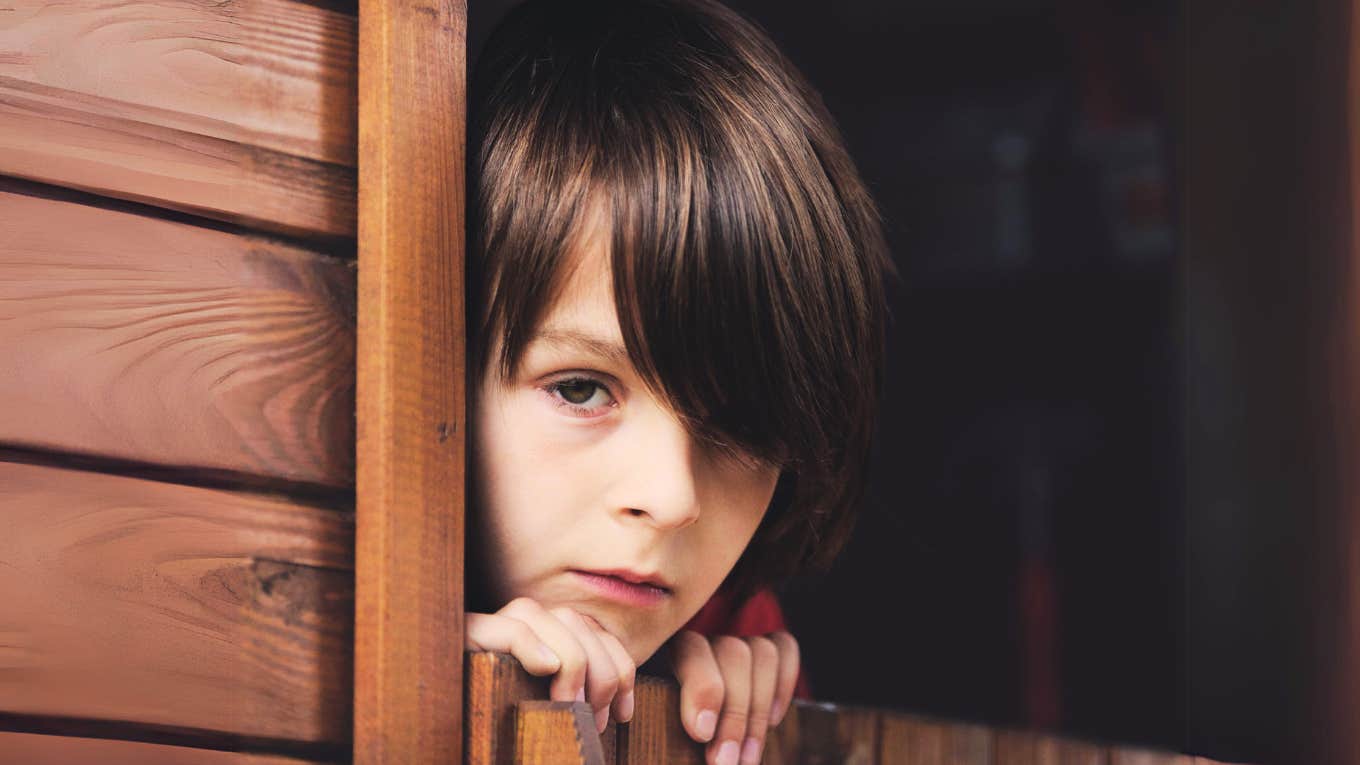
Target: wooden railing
(508, 722)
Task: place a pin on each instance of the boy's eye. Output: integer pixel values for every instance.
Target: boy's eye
(582, 395)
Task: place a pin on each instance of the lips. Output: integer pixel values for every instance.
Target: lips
(632, 577)
(612, 586)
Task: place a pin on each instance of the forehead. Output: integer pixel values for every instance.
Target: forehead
(581, 311)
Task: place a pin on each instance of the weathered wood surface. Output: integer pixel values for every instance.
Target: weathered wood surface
(149, 340)
(38, 749)
(244, 111)
(1029, 748)
(656, 736)
(810, 733)
(494, 684)
(169, 605)
(557, 733)
(411, 426)
(829, 734)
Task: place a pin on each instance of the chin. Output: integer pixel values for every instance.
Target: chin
(640, 646)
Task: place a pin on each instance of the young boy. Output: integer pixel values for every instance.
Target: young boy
(677, 304)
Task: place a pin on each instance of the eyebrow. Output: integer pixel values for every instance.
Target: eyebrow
(584, 342)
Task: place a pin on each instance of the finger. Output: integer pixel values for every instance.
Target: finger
(494, 632)
(789, 666)
(734, 662)
(701, 684)
(627, 669)
(570, 682)
(764, 672)
(602, 679)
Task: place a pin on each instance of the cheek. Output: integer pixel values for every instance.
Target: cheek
(531, 488)
(744, 498)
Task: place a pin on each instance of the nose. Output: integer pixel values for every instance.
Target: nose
(658, 480)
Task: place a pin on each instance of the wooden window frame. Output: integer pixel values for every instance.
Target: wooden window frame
(408, 657)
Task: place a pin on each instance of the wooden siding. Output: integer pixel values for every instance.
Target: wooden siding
(38, 749)
(240, 111)
(153, 603)
(156, 341)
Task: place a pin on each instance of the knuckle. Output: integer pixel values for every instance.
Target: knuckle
(573, 665)
(568, 616)
(607, 686)
(756, 724)
(626, 674)
(737, 718)
(520, 605)
(763, 649)
(706, 688)
(521, 633)
(732, 648)
(690, 643)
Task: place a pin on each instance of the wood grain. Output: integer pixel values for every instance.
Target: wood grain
(160, 604)
(556, 733)
(279, 74)
(73, 140)
(141, 339)
(909, 740)
(836, 735)
(1029, 748)
(203, 105)
(494, 685)
(411, 425)
(968, 744)
(655, 736)
(38, 749)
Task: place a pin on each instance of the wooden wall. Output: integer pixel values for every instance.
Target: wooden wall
(178, 316)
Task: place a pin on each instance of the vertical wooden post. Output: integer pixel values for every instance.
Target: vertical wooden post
(409, 484)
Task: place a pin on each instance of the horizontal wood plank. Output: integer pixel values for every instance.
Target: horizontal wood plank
(136, 338)
(909, 740)
(39, 749)
(222, 109)
(169, 605)
(836, 734)
(73, 141)
(1029, 748)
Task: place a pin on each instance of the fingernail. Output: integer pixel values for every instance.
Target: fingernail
(548, 655)
(581, 694)
(601, 719)
(727, 753)
(776, 713)
(705, 723)
(626, 707)
(750, 753)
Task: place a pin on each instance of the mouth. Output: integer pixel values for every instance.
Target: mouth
(627, 587)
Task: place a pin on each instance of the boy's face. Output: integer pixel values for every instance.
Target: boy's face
(585, 479)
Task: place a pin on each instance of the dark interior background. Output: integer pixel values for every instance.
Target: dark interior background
(1073, 522)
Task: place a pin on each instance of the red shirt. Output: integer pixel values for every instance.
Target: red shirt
(759, 615)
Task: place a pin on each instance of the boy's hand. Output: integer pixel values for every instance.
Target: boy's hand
(733, 689)
(591, 664)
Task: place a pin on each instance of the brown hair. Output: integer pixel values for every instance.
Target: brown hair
(747, 256)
